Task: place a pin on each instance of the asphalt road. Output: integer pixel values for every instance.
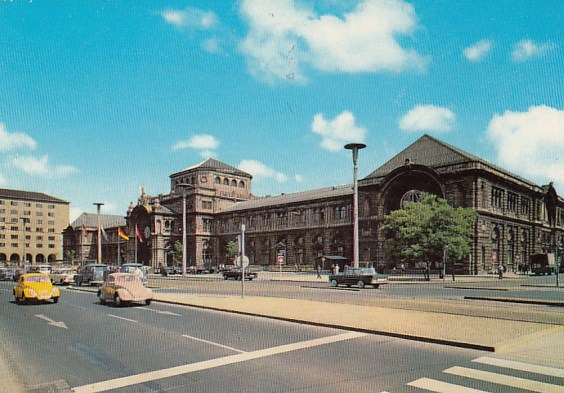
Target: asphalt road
(82, 345)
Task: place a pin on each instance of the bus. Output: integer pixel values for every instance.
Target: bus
(543, 264)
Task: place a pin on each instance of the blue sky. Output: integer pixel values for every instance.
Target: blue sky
(99, 98)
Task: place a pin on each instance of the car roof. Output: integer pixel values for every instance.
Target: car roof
(34, 274)
(123, 274)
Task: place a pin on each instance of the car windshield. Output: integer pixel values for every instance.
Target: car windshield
(37, 279)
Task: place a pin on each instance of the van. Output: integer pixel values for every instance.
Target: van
(91, 274)
(543, 264)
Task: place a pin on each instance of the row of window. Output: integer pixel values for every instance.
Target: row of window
(218, 180)
(17, 245)
(15, 221)
(267, 220)
(28, 229)
(26, 204)
(28, 237)
(27, 213)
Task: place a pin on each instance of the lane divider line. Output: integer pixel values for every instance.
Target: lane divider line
(212, 343)
(122, 318)
(213, 363)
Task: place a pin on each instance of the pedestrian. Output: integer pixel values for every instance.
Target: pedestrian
(337, 267)
(318, 271)
(500, 271)
(402, 269)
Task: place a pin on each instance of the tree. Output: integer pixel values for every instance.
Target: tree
(231, 250)
(176, 253)
(420, 231)
(70, 255)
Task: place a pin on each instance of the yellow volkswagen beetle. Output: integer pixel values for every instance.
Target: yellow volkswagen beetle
(35, 286)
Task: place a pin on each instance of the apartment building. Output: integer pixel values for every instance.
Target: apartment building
(31, 224)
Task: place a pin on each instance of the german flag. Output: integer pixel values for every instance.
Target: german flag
(122, 234)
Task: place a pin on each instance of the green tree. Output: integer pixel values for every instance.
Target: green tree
(231, 250)
(420, 231)
(70, 255)
(176, 253)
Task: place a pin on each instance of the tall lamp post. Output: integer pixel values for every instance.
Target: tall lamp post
(184, 187)
(23, 238)
(98, 207)
(355, 147)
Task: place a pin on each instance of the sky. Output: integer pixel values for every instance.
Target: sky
(100, 98)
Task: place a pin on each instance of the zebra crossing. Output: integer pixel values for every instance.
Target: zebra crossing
(495, 380)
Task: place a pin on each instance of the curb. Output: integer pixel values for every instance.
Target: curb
(555, 303)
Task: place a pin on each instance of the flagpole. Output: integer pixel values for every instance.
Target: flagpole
(136, 259)
(118, 258)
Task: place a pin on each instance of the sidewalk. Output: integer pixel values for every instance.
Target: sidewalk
(481, 333)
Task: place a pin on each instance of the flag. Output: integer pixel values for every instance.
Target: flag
(84, 230)
(122, 234)
(138, 234)
(104, 233)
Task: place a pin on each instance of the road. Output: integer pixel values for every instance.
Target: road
(79, 343)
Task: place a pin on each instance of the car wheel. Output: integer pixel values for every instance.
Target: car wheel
(117, 300)
(333, 283)
(102, 301)
(56, 300)
(17, 299)
(148, 302)
(225, 277)
(360, 284)
(376, 285)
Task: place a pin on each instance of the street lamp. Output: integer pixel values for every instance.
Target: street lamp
(355, 147)
(23, 238)
(98, 206)
(184, 186)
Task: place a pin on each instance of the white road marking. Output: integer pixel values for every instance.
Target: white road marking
(207, 364)
(125, 319)
(500, 379)
(51, 322)
(159, 311)
(533, 368)
(212, 343)
(433, 385)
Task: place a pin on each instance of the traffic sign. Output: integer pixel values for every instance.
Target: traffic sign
(237, 261)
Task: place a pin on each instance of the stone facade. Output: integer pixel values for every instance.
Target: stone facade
(516, 218)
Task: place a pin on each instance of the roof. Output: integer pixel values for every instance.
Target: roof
(29, 196)
(298, 197)
(90, 220)
(434, 153)
(215, 165)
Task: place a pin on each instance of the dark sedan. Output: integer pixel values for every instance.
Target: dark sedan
(235, 274)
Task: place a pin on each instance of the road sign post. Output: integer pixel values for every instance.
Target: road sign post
(242, 259)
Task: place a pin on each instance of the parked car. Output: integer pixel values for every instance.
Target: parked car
(91, 274)
(235, 274)
(36, 287)
(360, 277)
(6, 274)
(122, 288)
(131, 268)
(63, 276)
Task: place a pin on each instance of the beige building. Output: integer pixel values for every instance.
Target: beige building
(31, 224)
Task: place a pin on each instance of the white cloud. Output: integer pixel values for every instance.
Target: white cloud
(15, 140)
(338, 132)
(526, 49)
(259, 170)
(299, 178)
(478, 51)
(428, 118)
(284, 39)
(531, 143)
(41, 166)
(191, 17)
(205, 143)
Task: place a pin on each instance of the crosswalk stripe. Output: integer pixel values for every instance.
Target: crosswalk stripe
(500, 379)
(442, 387)
(533, 368)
